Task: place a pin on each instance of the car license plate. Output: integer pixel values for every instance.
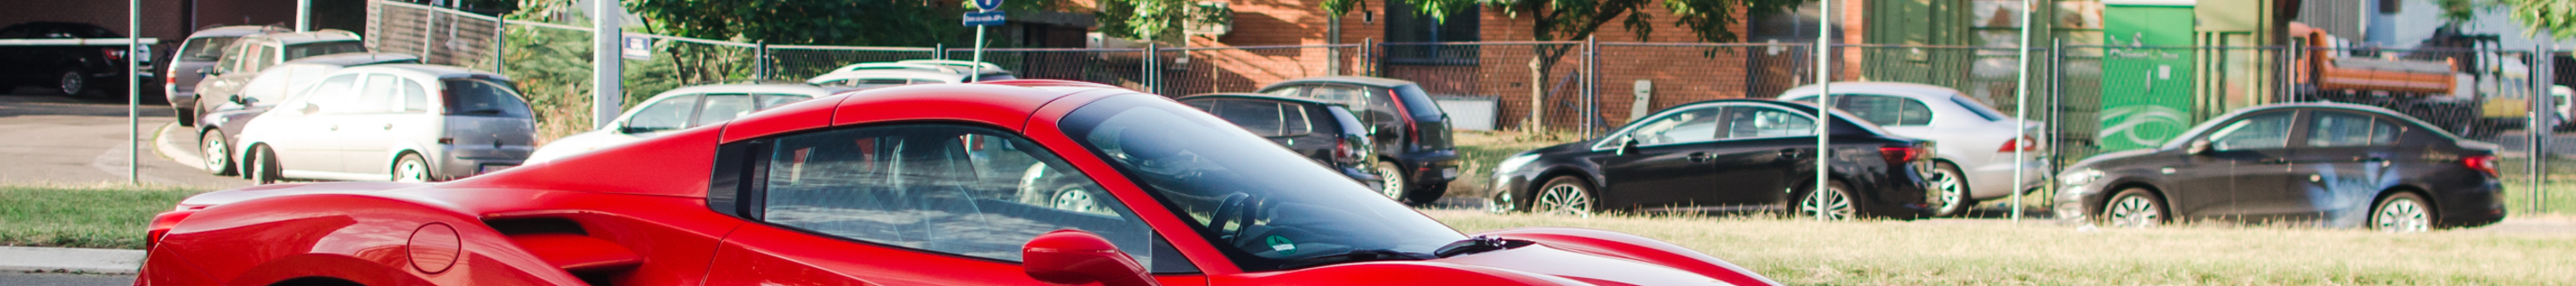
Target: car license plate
(1449, 173)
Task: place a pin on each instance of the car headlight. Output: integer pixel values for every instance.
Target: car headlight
(1514, 163)
(2079, 177)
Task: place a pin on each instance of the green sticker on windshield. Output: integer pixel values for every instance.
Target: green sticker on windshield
(1281, 244)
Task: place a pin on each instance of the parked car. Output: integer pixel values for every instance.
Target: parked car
(223, 121)
(1327, 132)
(910, 72)
(1975, 161)
(398, 122)
(1410, 132)
(248, 56)
(683, 108)
(199, 52)
(1736, 154)
(907, 185)
(2334, 164)
(68, 69)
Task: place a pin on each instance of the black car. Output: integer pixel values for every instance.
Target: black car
(67, 69)
(1410, 131)
(1735, 154)
(2338, 165)
(1327, 132)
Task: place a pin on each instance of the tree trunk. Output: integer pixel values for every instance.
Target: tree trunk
(1538, 91)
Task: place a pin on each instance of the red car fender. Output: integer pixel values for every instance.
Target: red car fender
(1396, 273)
(264, 241)
(1633, 247)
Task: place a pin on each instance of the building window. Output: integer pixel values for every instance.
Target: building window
(1413, 36)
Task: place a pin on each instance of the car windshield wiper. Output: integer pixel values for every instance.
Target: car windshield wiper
(1471, 245)
(1362, 255)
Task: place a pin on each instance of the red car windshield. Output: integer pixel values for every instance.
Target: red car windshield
(1265, 207)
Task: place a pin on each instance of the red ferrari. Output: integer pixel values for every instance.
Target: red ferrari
(1026, 182)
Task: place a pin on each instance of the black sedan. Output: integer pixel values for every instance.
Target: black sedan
(2337, 165)
(1737, 154)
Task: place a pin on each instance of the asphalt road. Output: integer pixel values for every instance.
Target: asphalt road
(52, 139)
(16, 278)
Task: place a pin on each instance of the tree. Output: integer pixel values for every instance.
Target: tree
(2554, 17)
(1556, 20)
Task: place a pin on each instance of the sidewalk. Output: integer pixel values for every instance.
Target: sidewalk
(100, 261)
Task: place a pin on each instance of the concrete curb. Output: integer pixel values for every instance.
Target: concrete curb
(161, 143)
(87, 260)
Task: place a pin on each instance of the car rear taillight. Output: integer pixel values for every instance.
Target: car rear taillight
(112, 54)
(1899, 155)
(162, 223)
(2482, 163)
(2025, 144)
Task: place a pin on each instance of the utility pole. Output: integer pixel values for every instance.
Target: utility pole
(1824, 108)
(2021, 108)
(133, 91)
(303, 15)
(605, 94)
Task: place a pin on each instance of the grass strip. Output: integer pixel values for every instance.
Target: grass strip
(1949, 252)
(83, 216)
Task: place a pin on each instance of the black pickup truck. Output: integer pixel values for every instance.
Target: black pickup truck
(69, 68)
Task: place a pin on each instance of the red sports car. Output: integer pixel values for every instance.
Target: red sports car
(1026, 182)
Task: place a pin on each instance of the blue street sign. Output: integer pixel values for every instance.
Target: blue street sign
(988, 5)
(985, 18)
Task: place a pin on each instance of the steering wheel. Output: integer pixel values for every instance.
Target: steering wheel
(1238, 209)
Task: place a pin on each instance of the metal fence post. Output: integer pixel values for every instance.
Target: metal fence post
(1591, 71)
(760, 60)
(1147, 75)
(2056, 108)
(1368, 56)
(500, 44)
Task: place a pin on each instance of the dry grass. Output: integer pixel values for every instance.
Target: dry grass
(2044, 253)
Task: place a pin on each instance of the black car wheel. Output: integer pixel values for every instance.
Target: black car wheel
(1833, 203)
(1565, 195)
(1949, 191)
(218, 153)
(72, 83)
(261, 166)
(2135, 207)
(2402, 212)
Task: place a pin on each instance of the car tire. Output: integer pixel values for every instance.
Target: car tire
(1835, 202)
(2135, 208)
(1948, 191)
(1391, 181)
(262, 165)
(2403, 212)
(187, 117)
(1565, 195)
(411, 169)
(218, 154)
(71, 83)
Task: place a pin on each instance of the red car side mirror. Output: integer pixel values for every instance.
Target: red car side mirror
(1075, 257)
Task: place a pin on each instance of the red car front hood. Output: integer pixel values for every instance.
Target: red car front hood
(1597, 270)
(264, 191)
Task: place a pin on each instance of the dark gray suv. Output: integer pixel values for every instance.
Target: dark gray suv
(1412, 134)
(1327, 132)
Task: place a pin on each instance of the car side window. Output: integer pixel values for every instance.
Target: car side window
(377, 95)
(1290, 91)
(2345, 129)
(721, 107)
(232, 57)
(19, 32)
(1264, 118)
(768, 101)
(415, 99)
(263, 56)
(333, 92)
(1678, 127)
(2260, 131)
(1758, 122)
(1885, 110)
(954, 189)
(668, 114)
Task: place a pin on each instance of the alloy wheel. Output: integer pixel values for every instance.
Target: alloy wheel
(1073, 199)
(2134, 211)
(1949, 191)
(72, 83)
(2402, 215)
(218, 153)
(1828, 204)
(411, 170)
(1390, 181)
(1564, 199)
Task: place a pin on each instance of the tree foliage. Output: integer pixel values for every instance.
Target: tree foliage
(1158, 20)
(1555, 20)
(2557, 18)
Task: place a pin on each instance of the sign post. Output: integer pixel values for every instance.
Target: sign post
(987, 15)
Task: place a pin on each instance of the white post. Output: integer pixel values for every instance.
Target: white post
(976, 73)
(2021, 107)
(605, 94)
(303, 15)
(1824, 102)
(133, 91)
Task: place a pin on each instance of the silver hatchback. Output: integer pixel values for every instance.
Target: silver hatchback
(401, 122)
